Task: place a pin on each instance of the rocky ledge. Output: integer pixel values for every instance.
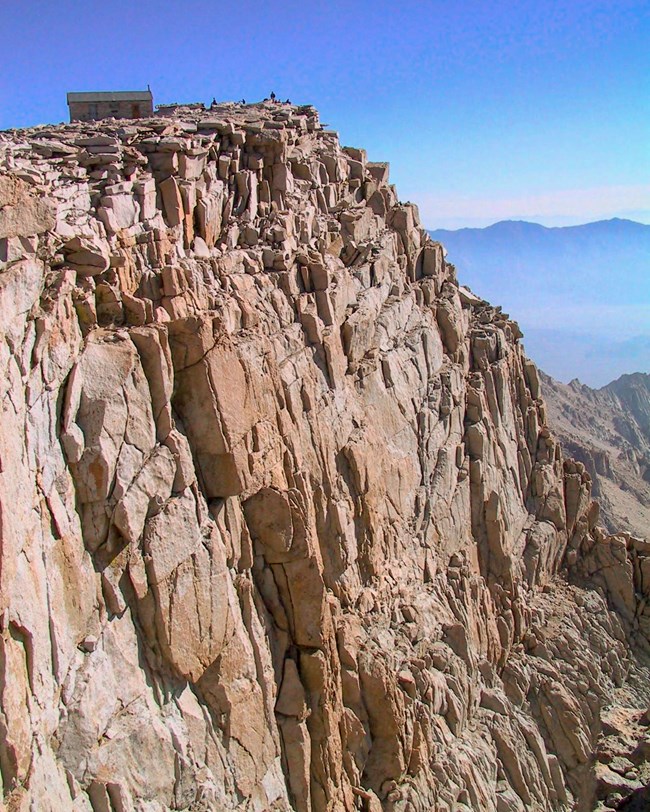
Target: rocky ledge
(283, 525)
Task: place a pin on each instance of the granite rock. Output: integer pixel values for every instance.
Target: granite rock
(283, 524)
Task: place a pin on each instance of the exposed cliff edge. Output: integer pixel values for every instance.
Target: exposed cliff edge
(608, 429)
(283, 526)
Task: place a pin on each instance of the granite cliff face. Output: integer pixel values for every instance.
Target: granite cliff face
(283, 526)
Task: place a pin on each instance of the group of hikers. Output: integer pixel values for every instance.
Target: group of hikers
(271, 97)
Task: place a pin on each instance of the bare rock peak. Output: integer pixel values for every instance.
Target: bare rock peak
(284, 523)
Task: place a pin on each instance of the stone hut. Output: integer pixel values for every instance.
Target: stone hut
(112, 104)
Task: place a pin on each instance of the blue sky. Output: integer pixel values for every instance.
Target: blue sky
(486, 110)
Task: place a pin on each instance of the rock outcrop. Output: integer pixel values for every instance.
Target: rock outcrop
(283, 525)
(608, 430)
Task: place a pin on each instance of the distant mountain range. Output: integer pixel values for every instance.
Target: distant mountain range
(580, 293)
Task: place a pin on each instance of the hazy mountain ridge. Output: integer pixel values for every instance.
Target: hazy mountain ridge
(580, 293)
(517, 246)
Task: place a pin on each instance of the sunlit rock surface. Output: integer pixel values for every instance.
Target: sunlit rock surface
(283, 525)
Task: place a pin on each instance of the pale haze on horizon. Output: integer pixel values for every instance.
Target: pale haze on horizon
(581, 294)
(564, 207)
